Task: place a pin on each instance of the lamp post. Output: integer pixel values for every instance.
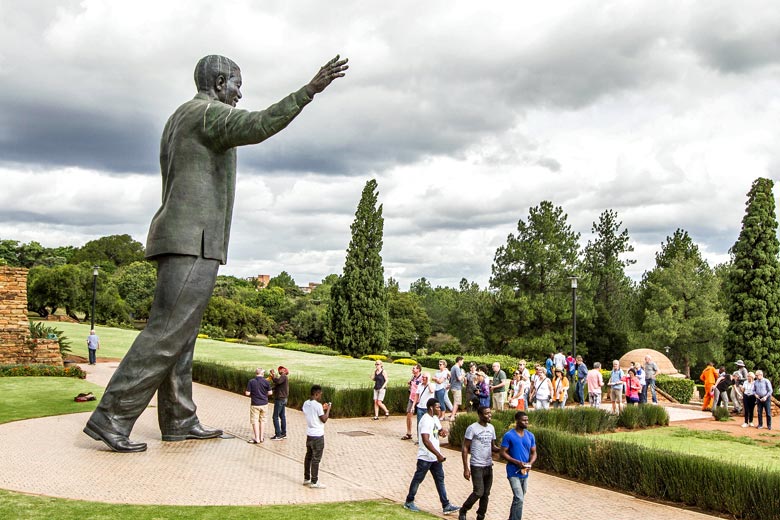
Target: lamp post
(415, 343)
(94, 295)
(573, 280)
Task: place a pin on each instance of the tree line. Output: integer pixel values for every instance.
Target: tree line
(683, 307)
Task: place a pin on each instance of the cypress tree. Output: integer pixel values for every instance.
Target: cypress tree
(753, 332)
(358, 315)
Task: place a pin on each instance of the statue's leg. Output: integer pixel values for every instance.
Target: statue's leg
(184, 286)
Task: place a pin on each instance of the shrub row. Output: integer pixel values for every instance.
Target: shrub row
(658, 474)
(580, 420)
(41, 370)
(679, 388)
(347, 402)
(303, 347)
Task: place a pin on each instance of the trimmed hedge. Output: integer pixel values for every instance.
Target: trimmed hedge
(657, 474)
(405, 361)
(347, 402)
(304, 347)
(42, 370)
(680, 389)
(580, 420)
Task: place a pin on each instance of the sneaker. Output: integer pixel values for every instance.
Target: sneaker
(449, 508)
(307, 482)
(759, 427)
(744, 425)
(274, 438)
(277, 438)
(411, 507)
(317, 485)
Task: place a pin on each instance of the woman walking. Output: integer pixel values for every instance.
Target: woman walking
(749, 399)
(560, 389)
(380, 384)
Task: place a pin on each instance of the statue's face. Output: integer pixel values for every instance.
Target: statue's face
(230, 92)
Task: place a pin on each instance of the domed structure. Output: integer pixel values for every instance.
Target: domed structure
(665, 366)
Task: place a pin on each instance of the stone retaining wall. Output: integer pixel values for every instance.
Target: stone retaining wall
(16, 346)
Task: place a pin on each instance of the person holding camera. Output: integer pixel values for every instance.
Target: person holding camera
(316, 416)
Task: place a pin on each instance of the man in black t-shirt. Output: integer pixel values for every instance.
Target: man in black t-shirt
(258, 389)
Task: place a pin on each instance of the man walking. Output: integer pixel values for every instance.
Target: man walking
(762, 389)
(188, 238)
(457, 377)
(257, 389)
(708, 376)
(281, 391)
(429, 458)
(479, 443)
(316, 415)
(651, 372)
(93, 344)
(518, 448)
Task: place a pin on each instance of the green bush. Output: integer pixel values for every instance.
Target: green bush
(212, 331)
(397, 355)
(677, 477)
(721, 413)
(347, 402)
(303, 347)
(679, 388)
(41, 370)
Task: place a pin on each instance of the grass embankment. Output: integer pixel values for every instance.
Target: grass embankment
(30, 397)
(26, 507)
(717, 445)
(332, 370)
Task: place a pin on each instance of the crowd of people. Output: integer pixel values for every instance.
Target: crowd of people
(750, 393)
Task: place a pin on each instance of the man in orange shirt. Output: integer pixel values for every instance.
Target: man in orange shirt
(709, 375)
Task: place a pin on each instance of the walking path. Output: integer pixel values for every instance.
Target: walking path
(51, 456)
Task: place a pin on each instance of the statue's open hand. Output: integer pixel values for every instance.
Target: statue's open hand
(333, 69)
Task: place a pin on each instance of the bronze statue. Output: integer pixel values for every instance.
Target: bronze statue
(188, 238)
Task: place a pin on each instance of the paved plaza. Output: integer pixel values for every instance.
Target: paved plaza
(364, 460)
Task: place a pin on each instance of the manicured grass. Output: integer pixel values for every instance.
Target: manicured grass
(717, 445)
(337, 371)
(28, 397)
(26, 507)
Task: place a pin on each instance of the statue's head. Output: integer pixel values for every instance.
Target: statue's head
(219, 77)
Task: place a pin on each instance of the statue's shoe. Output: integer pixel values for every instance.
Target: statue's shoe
(197, 432)
(115, 441)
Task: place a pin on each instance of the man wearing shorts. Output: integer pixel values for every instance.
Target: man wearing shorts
(457, 377)
(616, 386)
(257, 390)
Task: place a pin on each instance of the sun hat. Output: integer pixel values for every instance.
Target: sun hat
(740, 363)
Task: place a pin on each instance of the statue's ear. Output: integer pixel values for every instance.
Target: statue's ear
(219, 84)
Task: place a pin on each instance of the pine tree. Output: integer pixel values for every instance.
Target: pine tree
(753, 332)
(358, 321)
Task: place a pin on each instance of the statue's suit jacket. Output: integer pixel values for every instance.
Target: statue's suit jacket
(198, 164)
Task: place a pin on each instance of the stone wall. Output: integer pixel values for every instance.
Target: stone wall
(16, 346)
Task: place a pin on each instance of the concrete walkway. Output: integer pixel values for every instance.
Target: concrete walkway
(51, 456)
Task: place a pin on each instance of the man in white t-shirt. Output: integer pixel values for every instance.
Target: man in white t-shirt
(316, 416)
(559, 361)
(479, 442)
(429, 458)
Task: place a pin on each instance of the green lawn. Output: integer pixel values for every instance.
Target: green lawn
(28, 397)
(764, 452)
(27, 507)
(337, 371)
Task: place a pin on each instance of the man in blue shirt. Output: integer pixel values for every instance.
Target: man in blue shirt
(582, 375)
(93, 343)
(762, 389)
(518, 448)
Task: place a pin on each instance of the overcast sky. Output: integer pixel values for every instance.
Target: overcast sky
(466, 114)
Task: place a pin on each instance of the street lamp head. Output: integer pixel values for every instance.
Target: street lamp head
(573, 282)
(95, 270)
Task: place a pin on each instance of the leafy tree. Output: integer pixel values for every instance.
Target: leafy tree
(535, 264)
(613, 292)
(237, 320)
(8, 252)
(29, 254)
(681, 308)
(51, 288)
(358, 314)
(119, 250)
(309, 324)
(753, 333)
(409, 324)
(286, 282)
(136, 283)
